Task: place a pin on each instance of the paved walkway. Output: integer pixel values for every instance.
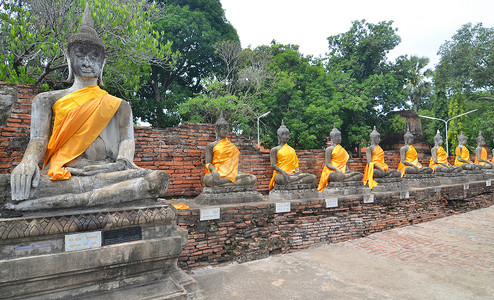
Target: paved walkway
(449, 258)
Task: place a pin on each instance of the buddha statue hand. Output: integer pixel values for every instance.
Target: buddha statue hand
(23, 177)
(120, 164)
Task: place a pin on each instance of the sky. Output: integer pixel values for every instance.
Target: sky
(422, 25)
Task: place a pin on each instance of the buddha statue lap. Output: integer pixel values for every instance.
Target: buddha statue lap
(481, 154)
(376, 168)
(88, 157)
(335, 163)
(284, 162)
(463, 155)
(439, 158)
(409, 163)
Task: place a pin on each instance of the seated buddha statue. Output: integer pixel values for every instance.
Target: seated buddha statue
(481, 153)
(463, 155)
(439, 158)
(376, 168)
(88, 151)
(409, 163)
(335, 163)
(222, 158)
(284, 162)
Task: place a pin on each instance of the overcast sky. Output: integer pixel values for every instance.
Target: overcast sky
(422, 25)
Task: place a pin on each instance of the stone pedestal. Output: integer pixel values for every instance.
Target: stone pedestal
(294, 192)
(135, 259)
(450, 178)
(228, 195)
(345, 188)
(476, 175)
(420, 180)
(388, 184)
(489, 173)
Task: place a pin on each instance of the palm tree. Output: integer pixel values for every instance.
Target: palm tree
(417, 85)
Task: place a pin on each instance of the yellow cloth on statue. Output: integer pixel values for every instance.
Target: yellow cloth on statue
(339, 158)
(376, 159)
(287, 160)
(463, 153)
(225, 159)
(411, 157)
(79, 118)
(180, 206)
(483, 155)
(441, 157)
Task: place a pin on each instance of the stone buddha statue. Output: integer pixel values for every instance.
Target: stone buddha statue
(335, 163)
(222, 160)
(409, 163)
(284, 162)
(463, 155)
(481, 154)
(87, 153)
(439, 158)
(376, 168)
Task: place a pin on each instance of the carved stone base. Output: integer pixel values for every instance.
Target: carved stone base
(476, 175)
(345, 188)
(294, 192)
(129, 264)
(450, 178)
(420, 180)
(388, 184)
(228, 195)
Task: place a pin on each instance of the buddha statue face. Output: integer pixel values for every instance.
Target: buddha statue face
(462, 139)
(336, 138)
(283, 136)
(86, 60)
(439, 140)
(481, 141)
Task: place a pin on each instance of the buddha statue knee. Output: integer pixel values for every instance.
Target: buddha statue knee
(409, 163)
(88, 158)
(222, 158)
(335, 163)
(285, 164)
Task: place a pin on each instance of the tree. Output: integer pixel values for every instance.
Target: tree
(417, 86)
(33, 35)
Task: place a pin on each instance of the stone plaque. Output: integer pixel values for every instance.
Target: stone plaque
(488, 183)
(437, 189)
(404, 194)
(331, 202)
(369, 198)
(122, 235)
(81, 241)
(209, 214)
(282, 207)
(466, 186)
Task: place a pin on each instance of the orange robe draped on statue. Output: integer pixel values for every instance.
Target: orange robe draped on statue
(441, 157)
(79, 118)
(225, 159)
(411, 157)
(377, 159)
(463, 153)
(339, 158)
(287, 160)
(483, 155)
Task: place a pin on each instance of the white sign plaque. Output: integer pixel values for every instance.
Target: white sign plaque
(282, 207)
(405, 195)
(369, 198)
(80, 241)
(437, 189)
(466, 186)
(488, 183)
(209, 214)
(331, 202)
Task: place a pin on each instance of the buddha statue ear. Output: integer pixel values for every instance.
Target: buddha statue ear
(100, 78)
(67, 56)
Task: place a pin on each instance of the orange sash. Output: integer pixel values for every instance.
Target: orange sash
(339, 158)
(287, 160)
(463, 153)
(79, 118)
(483, 155)
(441, 157)
(377, 159)
(225, 159)
(411, 157)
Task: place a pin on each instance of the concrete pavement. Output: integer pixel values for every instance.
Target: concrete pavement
(449, 258)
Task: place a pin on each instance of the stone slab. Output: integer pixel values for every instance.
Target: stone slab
(294, 192)
(388, 184)
(228, 195)
(420, 180)
(345, 188)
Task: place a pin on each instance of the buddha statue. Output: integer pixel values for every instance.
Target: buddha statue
(376, 168)
(481, 154)
(284, 162)
(335, 163)
(222, 160)
(439, 158)
(88, 153)
(463, 154)
(409, 163)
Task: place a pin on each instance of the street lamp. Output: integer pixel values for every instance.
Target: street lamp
(263, 115)
(446, 122)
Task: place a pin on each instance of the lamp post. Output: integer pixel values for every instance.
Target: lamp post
(263, 115)
(446, 123)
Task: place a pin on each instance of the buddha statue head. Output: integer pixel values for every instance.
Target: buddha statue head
(221, 127)
(86, 51)
(462, 139)
(408, 137)
(335, 135)
(438, 139)
(283, 133)
(480, 139)
(375, 136)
